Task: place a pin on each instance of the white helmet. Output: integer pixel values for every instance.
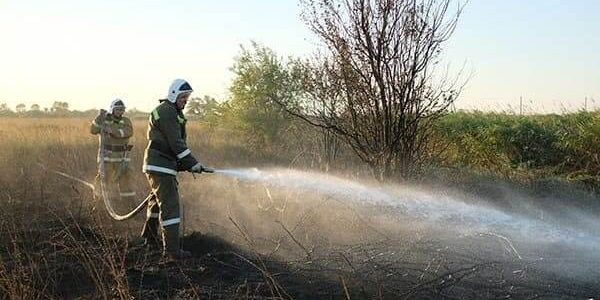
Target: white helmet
(117, 103)
(178, 87)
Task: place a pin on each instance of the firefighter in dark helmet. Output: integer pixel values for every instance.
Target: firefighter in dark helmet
(166, 154)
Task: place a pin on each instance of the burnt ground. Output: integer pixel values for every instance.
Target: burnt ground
(82, 262)
(289, 247)
(387, 269)
(219, 270)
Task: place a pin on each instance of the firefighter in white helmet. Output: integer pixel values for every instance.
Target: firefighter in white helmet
(166, 154)
(117, 130)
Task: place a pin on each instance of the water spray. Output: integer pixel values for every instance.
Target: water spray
(464, 213)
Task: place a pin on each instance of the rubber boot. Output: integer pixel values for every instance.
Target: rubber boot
(171, 243)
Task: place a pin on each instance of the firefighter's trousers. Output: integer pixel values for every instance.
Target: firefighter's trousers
(118, 182)
(163, 212)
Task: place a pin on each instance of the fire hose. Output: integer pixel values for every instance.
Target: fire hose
(103, 190)
(104, 195)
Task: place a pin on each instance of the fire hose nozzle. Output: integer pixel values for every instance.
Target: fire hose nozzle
(208, 170)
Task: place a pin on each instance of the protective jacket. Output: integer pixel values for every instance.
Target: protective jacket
(167, 151)
(116, 143)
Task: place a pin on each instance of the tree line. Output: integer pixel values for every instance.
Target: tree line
(58, 107)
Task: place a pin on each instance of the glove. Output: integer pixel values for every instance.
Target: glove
(99, 120)
(197, 168)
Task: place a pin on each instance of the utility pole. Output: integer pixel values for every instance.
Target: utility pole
(521, 105)
(585, 104)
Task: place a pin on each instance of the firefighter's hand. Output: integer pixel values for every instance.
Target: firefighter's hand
(197, 168)
(108, 130)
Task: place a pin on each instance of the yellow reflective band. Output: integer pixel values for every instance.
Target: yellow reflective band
(180, 120)
(155, 115)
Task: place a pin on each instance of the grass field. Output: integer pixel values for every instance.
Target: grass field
(257, 241)
(538, 146)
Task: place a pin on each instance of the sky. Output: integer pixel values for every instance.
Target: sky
(87, 53)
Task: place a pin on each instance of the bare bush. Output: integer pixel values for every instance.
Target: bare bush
(376, 85)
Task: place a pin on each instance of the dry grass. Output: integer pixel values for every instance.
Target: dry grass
(55, 242)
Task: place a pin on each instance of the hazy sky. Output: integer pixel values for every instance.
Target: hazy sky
(87, 53)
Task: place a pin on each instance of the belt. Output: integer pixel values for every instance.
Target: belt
(163, 149)
(118, 147)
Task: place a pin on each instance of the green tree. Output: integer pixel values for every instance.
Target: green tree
(21, 108)
(60, 109)
(34, 111)
(59, 106)
(5, 110)
(261, 80)
(206, 108)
